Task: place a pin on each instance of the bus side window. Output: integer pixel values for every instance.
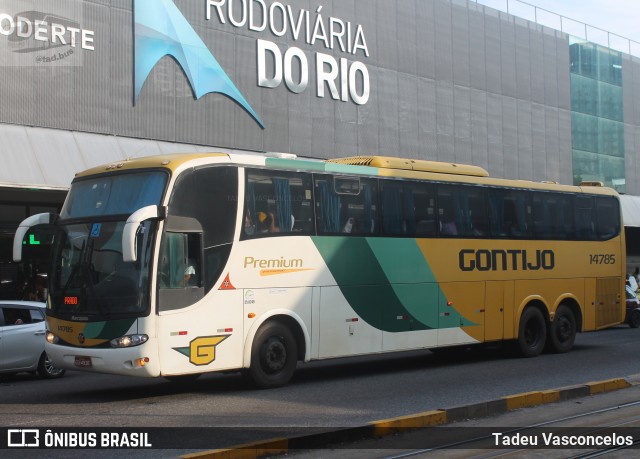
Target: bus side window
(510, 214)
(424, 196)
(446, 216)
(209, 196)
(564, 224)
(608, 215)
(553, 214)
(462, 211)
(393, 218)
(585, 221)
(328, 204)
(277, 203)
(180, 270)
(346, 205)
(476, 216)
(408, 208)
(180, 265)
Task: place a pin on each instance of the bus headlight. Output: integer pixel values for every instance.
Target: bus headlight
(51, 338)
(129, 341)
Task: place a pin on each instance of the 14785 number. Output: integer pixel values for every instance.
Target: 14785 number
(602, 259)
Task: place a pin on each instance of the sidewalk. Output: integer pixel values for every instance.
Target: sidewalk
(517, 410)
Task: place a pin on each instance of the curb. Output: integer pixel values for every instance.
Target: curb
(392, 426)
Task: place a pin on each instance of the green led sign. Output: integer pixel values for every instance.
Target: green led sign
(32, 240)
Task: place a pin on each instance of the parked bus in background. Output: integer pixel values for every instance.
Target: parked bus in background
(179, 265)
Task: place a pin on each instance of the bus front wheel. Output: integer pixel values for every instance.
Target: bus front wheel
(273, 356)
(563, 330)
(533, 332)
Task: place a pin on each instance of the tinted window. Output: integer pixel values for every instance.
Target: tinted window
(553, 216)
(16, 316)
(277, 203)
(120, 194)
(510, 214)
(180, 256)
(346, 205)
(585, 218)
(210, 196)
(36, 315)
(462, 211)
(608, 217)
(408, 208)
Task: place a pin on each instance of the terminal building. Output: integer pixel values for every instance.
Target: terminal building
(89, 82)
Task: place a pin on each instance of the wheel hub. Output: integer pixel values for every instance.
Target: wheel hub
(275, 355)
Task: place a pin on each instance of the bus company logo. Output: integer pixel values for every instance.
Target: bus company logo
(162, 30)
(202, 350)
(276, 266)
(506, 260)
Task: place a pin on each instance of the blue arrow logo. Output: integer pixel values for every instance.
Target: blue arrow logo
(162, 30)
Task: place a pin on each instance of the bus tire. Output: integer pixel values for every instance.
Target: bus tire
(532, 334)
(273, 356)
(562, 333)
(634, 318)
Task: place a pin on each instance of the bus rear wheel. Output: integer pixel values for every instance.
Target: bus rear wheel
(532, 333)
(273, 356)
(563, 330)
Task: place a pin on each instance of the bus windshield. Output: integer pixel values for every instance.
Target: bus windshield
(114, 194)
(89, 276)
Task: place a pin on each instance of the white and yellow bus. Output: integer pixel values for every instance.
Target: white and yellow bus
(179, 265)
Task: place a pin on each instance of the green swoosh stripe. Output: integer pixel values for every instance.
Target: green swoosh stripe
(387, 282)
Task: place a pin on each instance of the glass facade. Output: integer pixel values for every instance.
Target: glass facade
(597, 114)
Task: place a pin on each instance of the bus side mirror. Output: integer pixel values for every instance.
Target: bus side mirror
(24, 227)
(129, 252)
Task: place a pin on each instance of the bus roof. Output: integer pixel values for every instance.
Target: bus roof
(168, 161)
(387, 162)
(383, 166)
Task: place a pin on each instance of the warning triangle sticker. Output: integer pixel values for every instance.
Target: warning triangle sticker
(226, 284)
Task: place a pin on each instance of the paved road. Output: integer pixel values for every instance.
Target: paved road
(611, 419)
(338, 393)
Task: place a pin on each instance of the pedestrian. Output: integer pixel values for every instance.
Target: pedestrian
(633, 283)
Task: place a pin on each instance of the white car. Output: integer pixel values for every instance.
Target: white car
(22, 337)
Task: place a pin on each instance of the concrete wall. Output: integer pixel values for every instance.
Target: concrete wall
(449, 81)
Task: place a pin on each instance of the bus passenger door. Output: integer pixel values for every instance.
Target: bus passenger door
(196, 333)
(494, 311)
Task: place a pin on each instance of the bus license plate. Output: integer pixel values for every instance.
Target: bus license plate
(83, 361)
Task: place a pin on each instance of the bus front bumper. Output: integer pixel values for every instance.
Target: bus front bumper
(139, 361)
